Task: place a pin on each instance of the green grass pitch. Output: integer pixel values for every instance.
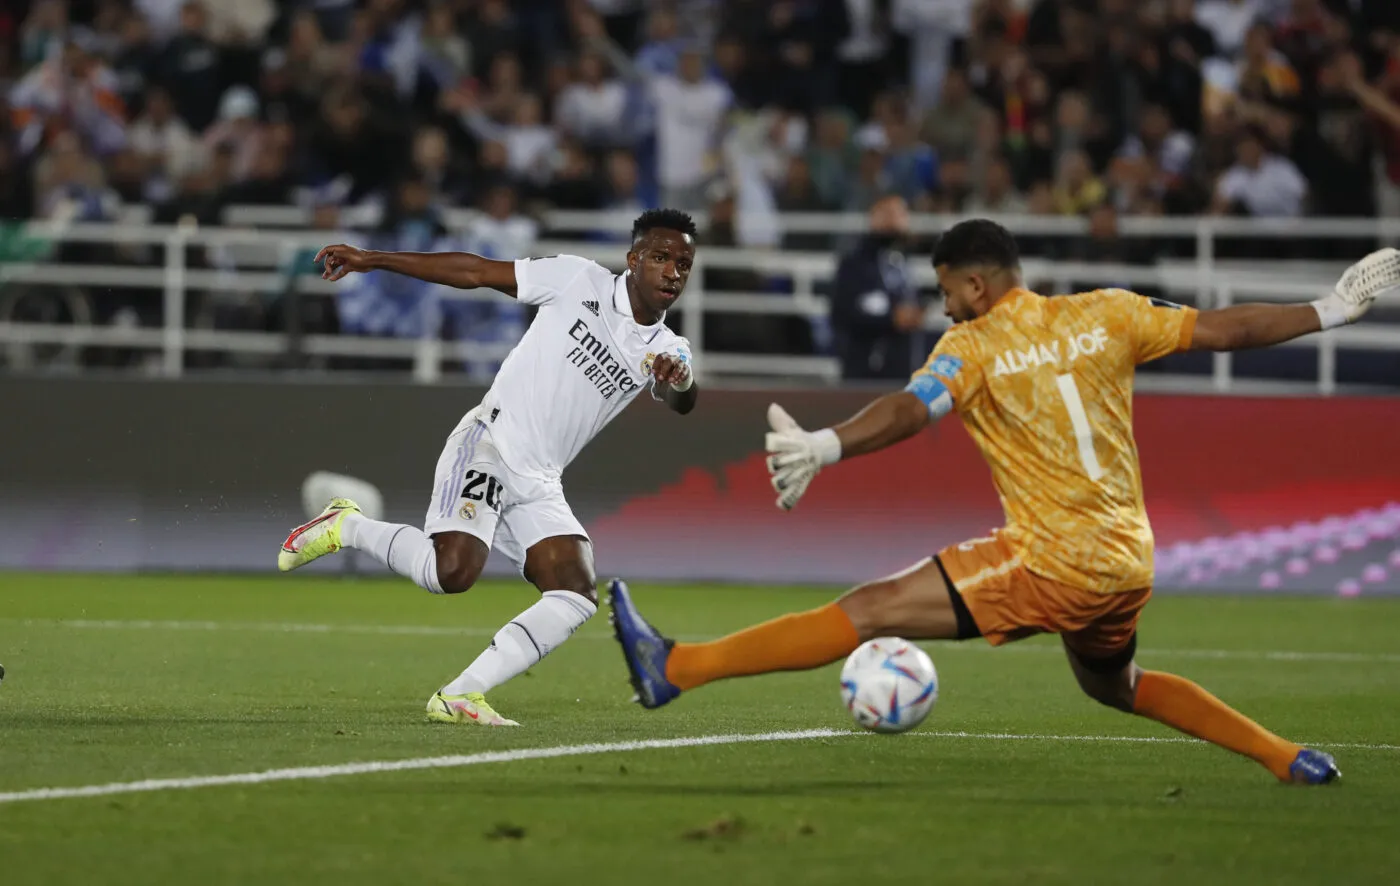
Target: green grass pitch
(117, 679)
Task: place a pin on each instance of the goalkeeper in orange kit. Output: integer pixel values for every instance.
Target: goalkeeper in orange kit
(1044, 386)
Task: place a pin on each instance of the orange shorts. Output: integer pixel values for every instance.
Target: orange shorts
(1009, 602)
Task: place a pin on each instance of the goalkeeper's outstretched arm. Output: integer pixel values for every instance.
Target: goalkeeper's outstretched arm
(1252, 326)
(886, 421)
(795, 455)
(1258, 326)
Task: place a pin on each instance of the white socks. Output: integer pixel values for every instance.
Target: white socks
(405, 549)
(529, 637)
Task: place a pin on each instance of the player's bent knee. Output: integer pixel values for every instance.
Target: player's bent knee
(915, 604)
(884, 608)
(456, 577)
(459, 564)
(873, 608)
(1114, 690)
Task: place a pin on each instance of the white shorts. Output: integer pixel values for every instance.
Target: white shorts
(474, 492)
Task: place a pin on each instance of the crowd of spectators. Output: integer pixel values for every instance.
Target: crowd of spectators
(1261, 107)
(748, 108)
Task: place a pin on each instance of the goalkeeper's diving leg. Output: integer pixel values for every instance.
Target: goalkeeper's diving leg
(920, 604)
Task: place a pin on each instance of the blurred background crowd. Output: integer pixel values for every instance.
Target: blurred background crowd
(745, 108)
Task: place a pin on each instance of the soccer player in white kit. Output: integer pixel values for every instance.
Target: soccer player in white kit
(598, 340)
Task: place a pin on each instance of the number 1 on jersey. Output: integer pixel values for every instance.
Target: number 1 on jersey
(1079, 420)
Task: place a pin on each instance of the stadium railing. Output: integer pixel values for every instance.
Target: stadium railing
(255, 244)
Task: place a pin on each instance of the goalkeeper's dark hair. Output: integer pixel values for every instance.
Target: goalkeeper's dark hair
(668, 219)
(978, 241)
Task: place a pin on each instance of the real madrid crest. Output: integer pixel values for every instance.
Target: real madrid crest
(468, 511)
(646, 363)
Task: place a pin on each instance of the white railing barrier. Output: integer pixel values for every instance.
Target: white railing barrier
(1202, 281)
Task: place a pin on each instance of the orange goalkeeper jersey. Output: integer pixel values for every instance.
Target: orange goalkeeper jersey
(1045, 388)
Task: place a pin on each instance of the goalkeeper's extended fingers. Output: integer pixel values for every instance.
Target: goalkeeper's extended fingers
(786, 478)
(789, 495)
(779, 420)
(1372, 275)
(787, 460)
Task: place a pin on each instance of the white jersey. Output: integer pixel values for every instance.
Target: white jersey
(583, 359)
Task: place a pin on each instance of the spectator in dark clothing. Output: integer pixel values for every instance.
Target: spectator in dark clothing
(1168, 73)
(269, 182)
(875, 312)
(802, 60)
(735, 66)
(16, 189)
(1184, 36)
(347, 141)
(135, 61)
(202, 195)
(1379, 26)
(492, 30)
(799, 194)
(444, 171)
(1336, 148)
(190, 69)
(623, 189)
(282, 101)
(575, 184)
(1104, 244)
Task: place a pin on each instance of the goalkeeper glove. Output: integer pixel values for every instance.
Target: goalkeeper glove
(1358, 287)
(795, 456)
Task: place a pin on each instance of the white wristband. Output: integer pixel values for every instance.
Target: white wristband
(1331, 311)
(827, 446)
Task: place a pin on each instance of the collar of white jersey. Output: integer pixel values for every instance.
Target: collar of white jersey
(623, 304)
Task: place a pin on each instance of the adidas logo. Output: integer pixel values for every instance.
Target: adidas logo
(592, 307)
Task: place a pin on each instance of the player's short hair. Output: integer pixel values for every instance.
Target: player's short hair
(978, 241)
(669, 219)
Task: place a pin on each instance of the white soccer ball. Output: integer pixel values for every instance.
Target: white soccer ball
(889, 685)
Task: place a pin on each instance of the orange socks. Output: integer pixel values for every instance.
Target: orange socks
(1183, 705)
(791, 643)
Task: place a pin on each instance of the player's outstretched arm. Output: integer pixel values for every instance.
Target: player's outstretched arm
(462, 270)
(1256, 326)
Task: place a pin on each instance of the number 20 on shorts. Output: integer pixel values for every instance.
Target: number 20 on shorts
(472, 490)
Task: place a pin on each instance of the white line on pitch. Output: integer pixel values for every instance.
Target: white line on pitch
(302, 773)
(305, 773)
(271, 627)
(445, 631)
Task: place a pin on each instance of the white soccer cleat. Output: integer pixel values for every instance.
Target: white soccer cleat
(469, 708)
(317, 538)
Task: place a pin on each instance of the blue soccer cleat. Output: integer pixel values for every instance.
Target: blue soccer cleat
(1313, 767)
(644, 648)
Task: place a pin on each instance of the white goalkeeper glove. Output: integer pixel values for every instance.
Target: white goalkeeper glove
(1358, 287)
(795, 456)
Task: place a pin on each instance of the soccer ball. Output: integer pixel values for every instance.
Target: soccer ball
(889, 685)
